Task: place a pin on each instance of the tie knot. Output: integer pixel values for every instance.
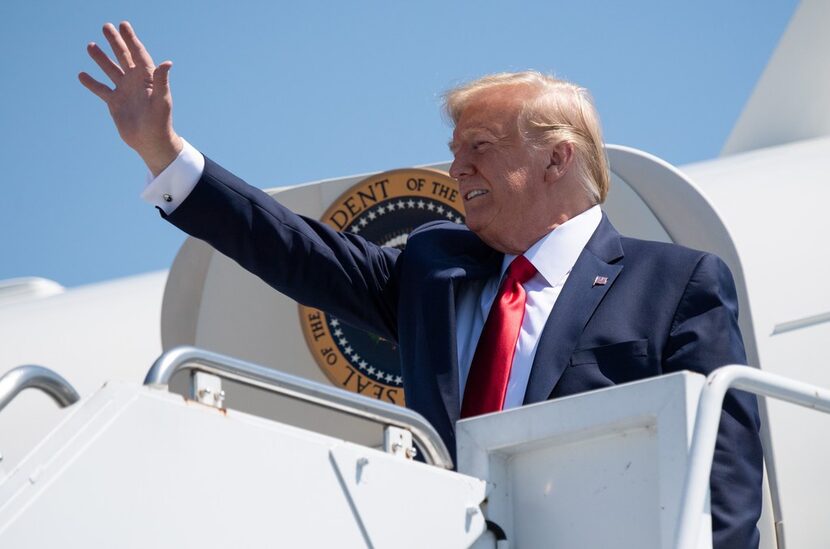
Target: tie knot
(521, 270)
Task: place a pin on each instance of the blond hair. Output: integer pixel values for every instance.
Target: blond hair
(559, 111)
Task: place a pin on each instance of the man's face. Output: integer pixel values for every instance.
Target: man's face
(501, 177)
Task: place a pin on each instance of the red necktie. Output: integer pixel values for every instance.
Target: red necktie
(490, 370)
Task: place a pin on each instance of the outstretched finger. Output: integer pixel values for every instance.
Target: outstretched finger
(119, 48)
(107, 65)
(137, 50)
(94, 86)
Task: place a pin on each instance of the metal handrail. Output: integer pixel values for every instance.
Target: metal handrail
(705, 433)
(192, 358)
(36, 377)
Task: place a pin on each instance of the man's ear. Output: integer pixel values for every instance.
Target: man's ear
(560, 160)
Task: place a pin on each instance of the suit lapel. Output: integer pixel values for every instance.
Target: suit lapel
(574, 307)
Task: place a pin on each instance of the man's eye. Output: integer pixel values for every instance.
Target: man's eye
(479, 144)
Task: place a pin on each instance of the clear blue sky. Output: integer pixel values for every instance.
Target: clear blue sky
(290, 92)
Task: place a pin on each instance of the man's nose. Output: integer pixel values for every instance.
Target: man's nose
(460, 167)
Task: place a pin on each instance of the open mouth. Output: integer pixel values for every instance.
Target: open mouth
(474, 194)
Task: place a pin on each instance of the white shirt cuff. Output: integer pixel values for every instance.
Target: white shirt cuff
(173, 185)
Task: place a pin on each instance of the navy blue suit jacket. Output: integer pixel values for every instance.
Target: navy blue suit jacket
(665, 308)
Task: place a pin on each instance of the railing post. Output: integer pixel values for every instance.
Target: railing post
(705, 433)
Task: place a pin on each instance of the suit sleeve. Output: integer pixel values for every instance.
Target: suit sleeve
(705, 336)
(308, 261)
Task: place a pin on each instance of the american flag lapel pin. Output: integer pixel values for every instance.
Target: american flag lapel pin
(600, 281)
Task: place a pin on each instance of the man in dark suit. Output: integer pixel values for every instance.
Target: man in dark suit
(538, 297)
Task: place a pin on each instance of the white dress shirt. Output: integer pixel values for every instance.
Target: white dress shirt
(553, 256)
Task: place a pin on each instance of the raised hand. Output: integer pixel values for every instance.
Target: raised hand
(141, 104)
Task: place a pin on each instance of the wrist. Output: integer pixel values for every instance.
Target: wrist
(162, 154)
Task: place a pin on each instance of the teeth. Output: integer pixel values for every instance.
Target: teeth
(472, 194)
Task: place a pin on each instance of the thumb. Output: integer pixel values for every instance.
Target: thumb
(161, 77)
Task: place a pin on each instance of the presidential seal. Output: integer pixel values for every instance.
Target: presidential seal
(383, 209)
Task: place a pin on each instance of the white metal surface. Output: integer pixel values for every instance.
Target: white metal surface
(774, 204)
(696, 485)
(399, 509)
(18, 290)
(87, 334)
(615, 457)
(139, 467)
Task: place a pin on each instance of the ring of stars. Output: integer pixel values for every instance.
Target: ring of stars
(356, 360)
(394, 205)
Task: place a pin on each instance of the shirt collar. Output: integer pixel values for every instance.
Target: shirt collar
(555, 254)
